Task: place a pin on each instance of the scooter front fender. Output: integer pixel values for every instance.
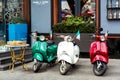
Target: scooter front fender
(100, 58)
(65, 58)
(38, 56)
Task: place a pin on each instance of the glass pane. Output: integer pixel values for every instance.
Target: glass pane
(73, 19)
(67, 8)
(13, 9)
(0, 9)
(1, 24)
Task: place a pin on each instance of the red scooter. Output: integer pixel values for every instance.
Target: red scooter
(99, 54)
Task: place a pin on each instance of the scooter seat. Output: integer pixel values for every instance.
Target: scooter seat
(50, 42)
(74, 43)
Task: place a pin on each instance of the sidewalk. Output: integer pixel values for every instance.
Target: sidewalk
(82, 71)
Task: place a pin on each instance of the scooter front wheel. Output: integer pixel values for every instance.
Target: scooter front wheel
(64, 67)
(99, 68)
(36, 66)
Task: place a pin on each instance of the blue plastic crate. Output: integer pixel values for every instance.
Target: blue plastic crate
(17, 32)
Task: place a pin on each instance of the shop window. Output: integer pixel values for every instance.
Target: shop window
(8, 9)
(13, 9)
(83, 21)
(113, 9)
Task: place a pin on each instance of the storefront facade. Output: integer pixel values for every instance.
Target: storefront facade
(24, 9)
(107, 17)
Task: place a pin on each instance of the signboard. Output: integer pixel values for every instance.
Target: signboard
(41, 16)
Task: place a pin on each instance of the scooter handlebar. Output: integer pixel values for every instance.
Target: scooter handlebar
(60, 36)
(92, 35)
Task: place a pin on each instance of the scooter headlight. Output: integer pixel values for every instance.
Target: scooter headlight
(68, 38)
(42, 38)
(102, 38)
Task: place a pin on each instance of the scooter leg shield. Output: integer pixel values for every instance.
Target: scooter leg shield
(100, 58)
(38, 56)
(65, 58)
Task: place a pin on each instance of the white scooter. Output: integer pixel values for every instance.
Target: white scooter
(67, 54)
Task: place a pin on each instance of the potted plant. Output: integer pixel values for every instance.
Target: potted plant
(17, 20)
(73, 24)
(17, 28)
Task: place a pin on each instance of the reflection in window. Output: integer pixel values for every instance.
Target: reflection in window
(13, 9)
(67, 7)
(0, 9)
(88, 9)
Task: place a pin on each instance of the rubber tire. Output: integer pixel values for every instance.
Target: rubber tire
(36, 67)
(64, 69)
(101, 72)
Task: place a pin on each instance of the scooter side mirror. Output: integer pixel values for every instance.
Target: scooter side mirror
(100, 29)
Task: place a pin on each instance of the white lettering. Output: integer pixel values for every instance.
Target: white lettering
(40, 2)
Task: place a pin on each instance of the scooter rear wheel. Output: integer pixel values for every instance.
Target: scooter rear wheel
(64, 67)
(36, 66)
(99, 71)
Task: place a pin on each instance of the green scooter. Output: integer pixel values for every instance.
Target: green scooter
(43, 51)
